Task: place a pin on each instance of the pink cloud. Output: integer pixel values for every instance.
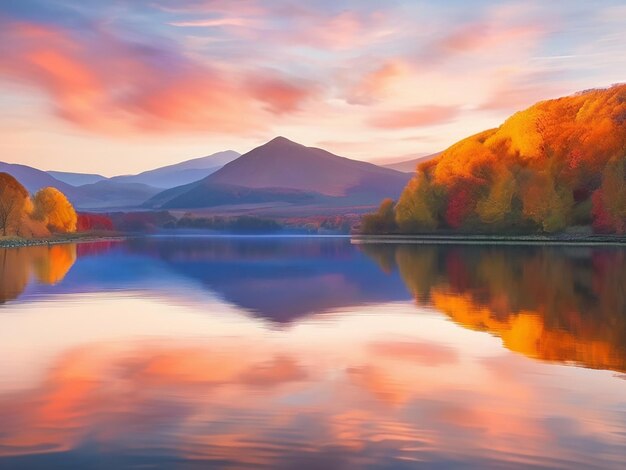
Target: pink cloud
(215, 22)
(279, 95)
(485, 35)
(104, 84)
(416, 117)
(374, 85)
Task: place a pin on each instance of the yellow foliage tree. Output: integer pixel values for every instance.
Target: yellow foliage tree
(417, 207)
(54, 209)
(497, 205)
(547, 203)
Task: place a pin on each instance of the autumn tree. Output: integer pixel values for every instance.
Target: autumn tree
(418, 205)
(460, 206)
(609, 201)
(497, 205)
(54, 209)
(546, 202)
(382, 221)
(88, 222)
(14, 203)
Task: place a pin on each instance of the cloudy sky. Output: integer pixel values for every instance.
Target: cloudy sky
(121, 86)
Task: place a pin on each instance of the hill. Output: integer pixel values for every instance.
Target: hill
(282, 170)
(109, 194)
(181, 173)
(409, 166)
(76, 179)
(557, 164)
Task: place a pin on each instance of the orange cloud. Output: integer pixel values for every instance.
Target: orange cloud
(107, 85)
(416, 117)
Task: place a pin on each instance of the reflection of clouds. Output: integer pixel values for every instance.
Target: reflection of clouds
(249, 396)
(424, 353)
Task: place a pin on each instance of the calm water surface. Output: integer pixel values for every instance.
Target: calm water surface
(311, 353)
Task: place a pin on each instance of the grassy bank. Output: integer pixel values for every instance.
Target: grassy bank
(468, 239)
(83, 237)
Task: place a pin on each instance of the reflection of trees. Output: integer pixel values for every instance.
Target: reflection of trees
(560, 304)
(49, 264)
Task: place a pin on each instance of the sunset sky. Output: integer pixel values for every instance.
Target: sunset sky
(122, 86)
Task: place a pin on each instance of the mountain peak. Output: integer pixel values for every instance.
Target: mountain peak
(280, 140)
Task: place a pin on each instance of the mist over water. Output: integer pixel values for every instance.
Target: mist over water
(243, 352)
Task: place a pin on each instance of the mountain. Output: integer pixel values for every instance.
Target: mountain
(181, 173)
(409, 166)
(558, 164)
(285, 171)
(76, 179)
(33, 179)
(109, 194)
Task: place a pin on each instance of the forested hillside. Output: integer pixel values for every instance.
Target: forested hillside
(555, 165)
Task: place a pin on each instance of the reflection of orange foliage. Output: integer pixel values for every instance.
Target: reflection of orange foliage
(526, 333)
(14, 273)
(54, 262)
(49, 264)
(532, 297)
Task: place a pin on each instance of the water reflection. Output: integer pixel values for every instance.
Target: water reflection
(165, 353)
(556, 304)
(280, 279)
(363, 390)
(46, 264)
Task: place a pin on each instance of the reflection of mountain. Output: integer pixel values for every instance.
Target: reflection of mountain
(549, 303)
(49, 264)
(280, 279)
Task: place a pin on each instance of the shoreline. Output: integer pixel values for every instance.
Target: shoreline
(357, 239)
(566, 240)
(17, 242)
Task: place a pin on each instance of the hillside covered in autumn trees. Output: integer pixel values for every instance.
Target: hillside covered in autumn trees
(558, 164)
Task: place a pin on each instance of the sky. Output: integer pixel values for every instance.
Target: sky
(122, 86)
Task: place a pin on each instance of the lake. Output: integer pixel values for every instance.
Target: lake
(308, 353)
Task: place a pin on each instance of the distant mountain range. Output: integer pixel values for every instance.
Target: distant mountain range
(181, 173)
(76, 179)
(280, 172)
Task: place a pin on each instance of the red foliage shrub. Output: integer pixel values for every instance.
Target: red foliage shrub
(87, 222)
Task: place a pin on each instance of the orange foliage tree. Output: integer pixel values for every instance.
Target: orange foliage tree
(54, 209)
(14, 203)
